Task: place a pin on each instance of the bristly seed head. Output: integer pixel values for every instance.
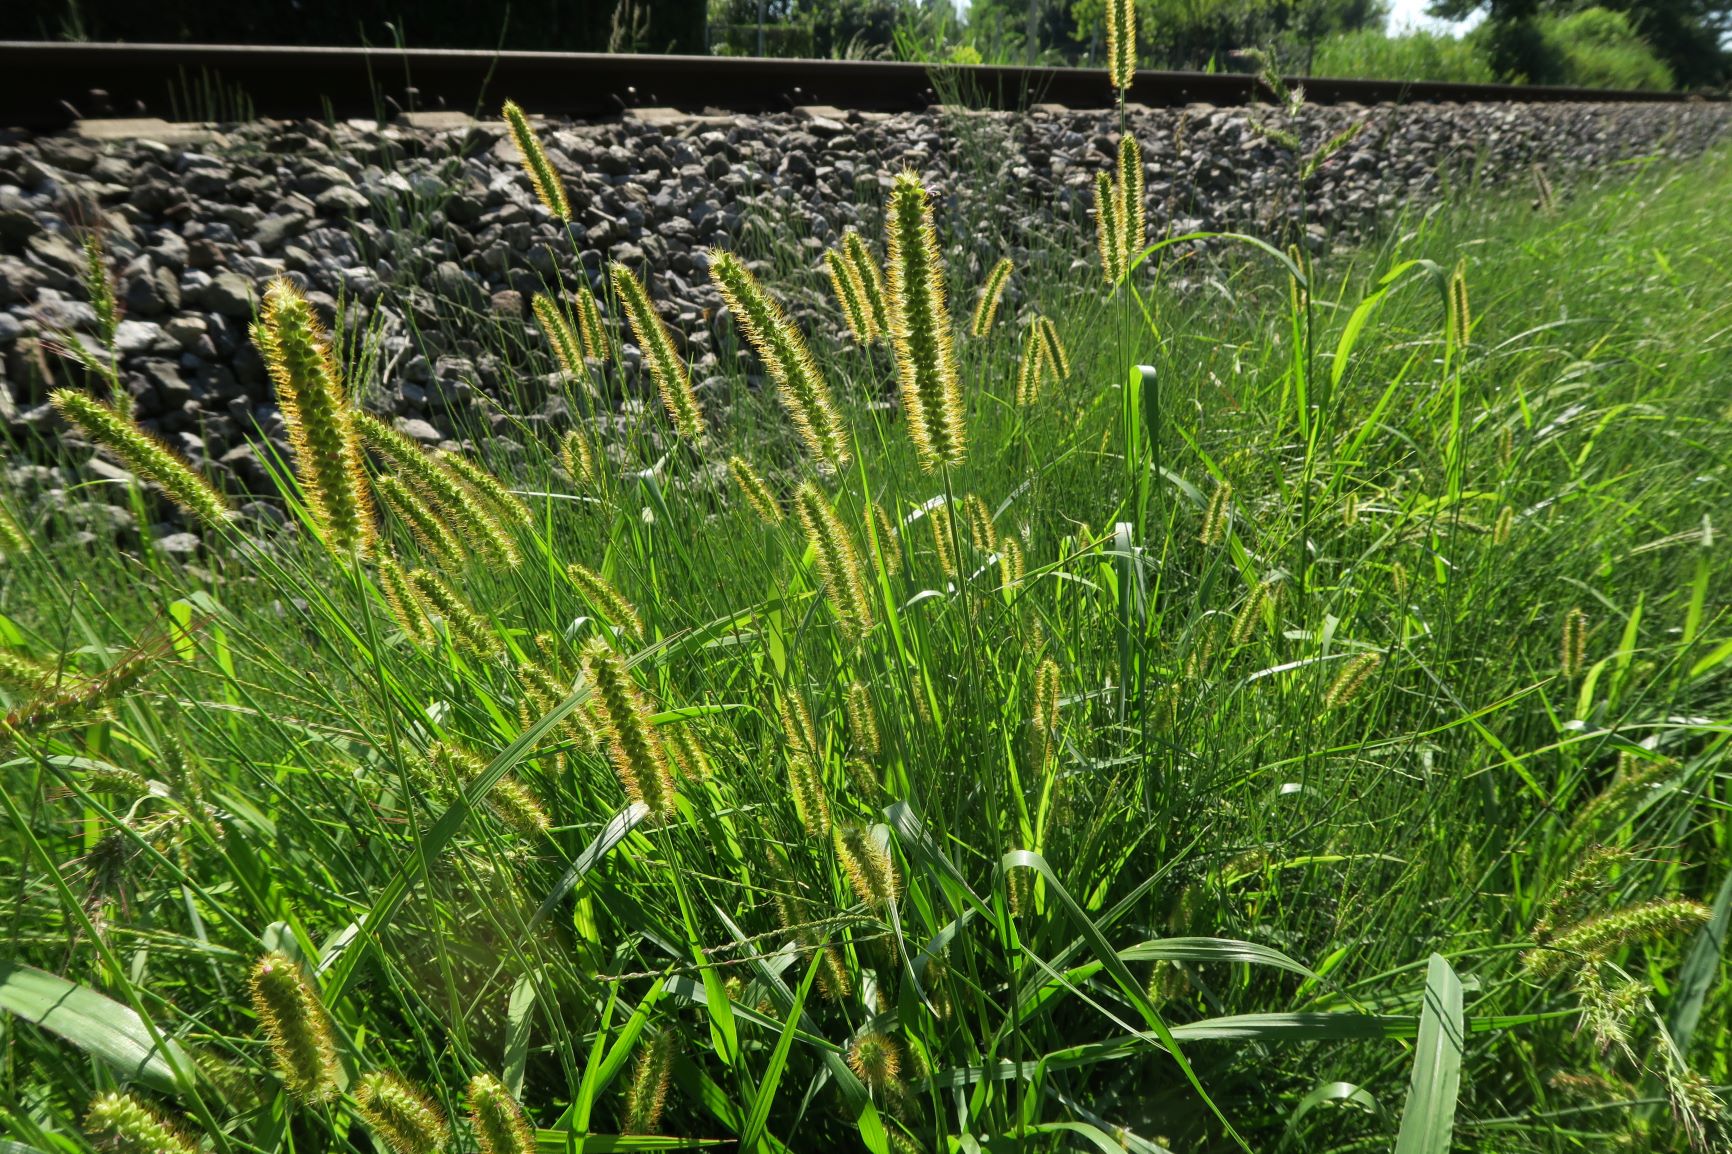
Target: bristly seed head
(1133, 212)
(140, 452)
(920, 329)
(870, 279)
(1032, 367)
(577, 457)
(1218, 517)
(321, 425)
(1573, 648)
(408, 1121)
(496, 1119)
(986, 308)
(755, 490)
(866, 860)
(811, 803)
(1054, 355)
(121, 1124)
(299, 1030)
(466, 627)
(647, 1095)
(877, 1061)
(1109, 233)
(863, 733)
(1121, 43)
(838, 561)
(889, 540)
(1352, 679)
(441, 490)
(638, 758)
(549, 188)
(804, 391)
(850, 296)
(568, 348)
(666, 367)
(605, 599)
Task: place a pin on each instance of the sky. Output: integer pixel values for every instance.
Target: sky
(1409, 14)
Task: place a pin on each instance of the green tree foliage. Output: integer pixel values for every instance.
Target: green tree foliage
(1549, 41)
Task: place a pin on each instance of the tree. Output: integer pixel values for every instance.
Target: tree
(1689, 36)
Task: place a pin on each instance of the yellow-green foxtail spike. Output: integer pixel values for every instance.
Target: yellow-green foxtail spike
(986, 308)
(143, 454)
(920, 329)
(549, 188)
(804, 391)
(321, 425)
(666, 367)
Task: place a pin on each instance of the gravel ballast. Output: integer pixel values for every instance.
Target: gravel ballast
(428, 234)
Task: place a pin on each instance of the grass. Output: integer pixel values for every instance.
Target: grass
(1314, 741)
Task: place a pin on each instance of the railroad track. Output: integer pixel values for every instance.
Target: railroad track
(49, 85)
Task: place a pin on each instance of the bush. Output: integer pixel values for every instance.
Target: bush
(1598, 48)
(1413, 56)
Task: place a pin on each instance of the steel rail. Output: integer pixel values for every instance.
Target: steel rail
(49, 84)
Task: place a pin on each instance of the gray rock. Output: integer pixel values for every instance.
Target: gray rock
(230, 295)
(419, 431)
(132, 336)
(186, 330)
(179, 546)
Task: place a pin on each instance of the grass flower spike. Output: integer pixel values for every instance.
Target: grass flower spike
(1109, 233)
(638, 757)
(806, 787)
(605, 599)
(986, 308)
(850, 296)
(870, 279)
(549, 188)
(465, 625)
(440, 489)
(666, 367)
(920, 329)
(866, 861)
(877, 1061)
(804, 391)
(1121, 43)
(838, 561)
(121, 1124)
(1053, 353)
(402, 1115)
(488, 489)
(577, 457)
(422, 522)
(1352, 679)
(889, 540)
(321, 429)
(590, 329)
(863, 733)
(1133, 212)
(1031, 367)
(140, 452)
(755, 490)
(295, 1021)
(647, 1095)
(1573, 646)
(496, 1119)
(1218, 516)
(568, 350)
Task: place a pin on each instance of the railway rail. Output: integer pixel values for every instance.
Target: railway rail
(49, 85)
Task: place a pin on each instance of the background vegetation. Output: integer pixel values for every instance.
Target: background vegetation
(1635, 43)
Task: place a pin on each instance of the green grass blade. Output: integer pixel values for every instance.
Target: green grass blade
(95, 1023)
(1428, 1121)
(1700, 968)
